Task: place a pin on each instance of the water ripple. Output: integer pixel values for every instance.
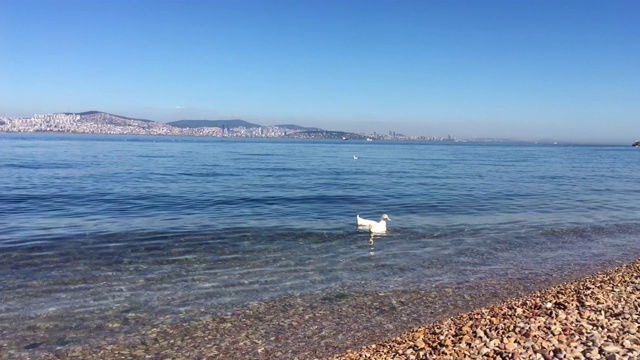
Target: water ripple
(180, 224)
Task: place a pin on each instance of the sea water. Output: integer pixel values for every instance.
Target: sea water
(184, 225)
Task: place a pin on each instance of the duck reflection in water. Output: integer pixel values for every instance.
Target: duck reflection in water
(372, 236)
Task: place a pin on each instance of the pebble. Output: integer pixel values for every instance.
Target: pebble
(593, 318)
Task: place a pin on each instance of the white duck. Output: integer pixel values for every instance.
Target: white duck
(374, 226)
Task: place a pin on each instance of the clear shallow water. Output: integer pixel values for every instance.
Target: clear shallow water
(89, 224)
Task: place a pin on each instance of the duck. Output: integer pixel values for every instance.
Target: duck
(378, 228)
(374, 226)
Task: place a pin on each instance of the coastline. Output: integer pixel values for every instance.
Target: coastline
(320, 326)
(597, 317)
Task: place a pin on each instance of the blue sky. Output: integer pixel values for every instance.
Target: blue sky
(566, 70)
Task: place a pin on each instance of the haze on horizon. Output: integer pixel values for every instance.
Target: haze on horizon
(523, 70)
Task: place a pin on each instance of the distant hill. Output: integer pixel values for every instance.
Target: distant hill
(89, 122)
(325, 134)
(104, 114)
(298, 127)
(213, 123)
(98, 122)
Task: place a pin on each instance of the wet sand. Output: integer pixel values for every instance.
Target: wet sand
(317, 326)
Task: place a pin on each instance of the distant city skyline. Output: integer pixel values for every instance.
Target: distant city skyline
(96, 122)
(523, 70)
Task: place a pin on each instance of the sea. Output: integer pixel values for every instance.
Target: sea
(190, 227)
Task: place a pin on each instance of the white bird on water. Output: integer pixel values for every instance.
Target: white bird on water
(374, 226)
(356, 157)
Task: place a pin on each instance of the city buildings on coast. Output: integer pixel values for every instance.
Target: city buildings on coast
(100, 123)
(95, 122)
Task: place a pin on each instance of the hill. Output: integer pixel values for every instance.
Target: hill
(298, 127)
(98, 122)
(230, 124)
(325, 134)
(93, 113)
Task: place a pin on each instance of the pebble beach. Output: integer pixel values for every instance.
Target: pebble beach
(595, 317)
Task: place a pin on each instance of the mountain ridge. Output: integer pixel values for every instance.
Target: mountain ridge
(98, 122)
(95, 112)
(298, 127)
(199, 123)
(232, 123)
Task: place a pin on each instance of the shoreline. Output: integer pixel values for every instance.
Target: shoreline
(313, 326)
(597, 317)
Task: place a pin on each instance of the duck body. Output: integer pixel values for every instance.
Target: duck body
(378, 228)
(362, 221)
(374, 226)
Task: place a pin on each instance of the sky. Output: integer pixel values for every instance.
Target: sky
(565, 70)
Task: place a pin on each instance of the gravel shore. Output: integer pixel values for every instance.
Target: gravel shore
(597, 317)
